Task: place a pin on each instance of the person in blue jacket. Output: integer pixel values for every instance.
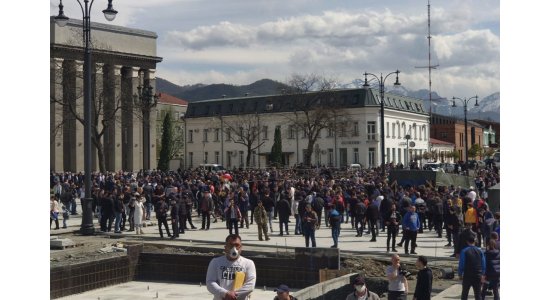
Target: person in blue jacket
(410, 224)
(471, 268)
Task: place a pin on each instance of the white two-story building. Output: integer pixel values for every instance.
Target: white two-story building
(211, 126)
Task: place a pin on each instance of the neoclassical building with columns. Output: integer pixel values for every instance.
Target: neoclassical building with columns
(122, 59)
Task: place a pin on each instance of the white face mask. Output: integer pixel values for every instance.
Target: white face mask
(360, 288)
(234, 253)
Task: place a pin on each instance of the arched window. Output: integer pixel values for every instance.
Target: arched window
(398, 130)
(393, 130)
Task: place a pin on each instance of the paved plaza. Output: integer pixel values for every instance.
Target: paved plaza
(428, 245)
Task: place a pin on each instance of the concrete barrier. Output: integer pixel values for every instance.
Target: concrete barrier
(321, 289)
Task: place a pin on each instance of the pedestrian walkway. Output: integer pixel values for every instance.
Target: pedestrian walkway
(428, 245)
(141, 290)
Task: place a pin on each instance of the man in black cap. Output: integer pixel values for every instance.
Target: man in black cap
(361, 291)
(283, 293)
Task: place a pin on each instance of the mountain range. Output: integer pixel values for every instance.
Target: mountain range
(488, 109)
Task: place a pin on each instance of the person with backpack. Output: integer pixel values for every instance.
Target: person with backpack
(471, 268)
(360, 211)
(334, 221)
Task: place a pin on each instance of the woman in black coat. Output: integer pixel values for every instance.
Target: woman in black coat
(492, 270)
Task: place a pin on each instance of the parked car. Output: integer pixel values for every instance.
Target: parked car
(448, 168)
(212, 167)
(433, 167)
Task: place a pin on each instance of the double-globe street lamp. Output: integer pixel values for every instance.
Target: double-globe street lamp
(87, 226)
(381, 80)
(465, 102)
(146, 100)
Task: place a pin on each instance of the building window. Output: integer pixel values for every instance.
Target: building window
(330, 131)
(264, 131)
(241, 133)
(443, 135)
(393, 155)
(217, 157)
(393, 130)
(371, 160)
(190, 159)
(241, 159)
(387, 129)
(254, 158)
(355, 155)
(228, 160)
(190, 136)
(216, 135)
(205, 157)
(387, 155)
(291, 132)
(304, 133)
(228, 135)
(205, 135)
(342, 130)
(331, 157)
(371, 131)
(355, 128)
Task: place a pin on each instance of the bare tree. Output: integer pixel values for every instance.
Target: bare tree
(315, 108)
(245, 130)
(104, 110)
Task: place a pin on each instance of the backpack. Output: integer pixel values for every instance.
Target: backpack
(360, 209)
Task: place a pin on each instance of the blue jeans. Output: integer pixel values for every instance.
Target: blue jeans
(335, 233)
(310, 234)
(298, 228)
(148, 208)
(118, 219)
(270, 214)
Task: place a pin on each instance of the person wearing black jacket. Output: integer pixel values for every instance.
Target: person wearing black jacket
(492, 270)
(174, 215)
(360, 211)
(372, 218)
(423, 290)
(119, 210)
(162, 216)
(107, 211)
(283, 209)
(392, 220)
(436, 212)
(182, 214)
(385, 207)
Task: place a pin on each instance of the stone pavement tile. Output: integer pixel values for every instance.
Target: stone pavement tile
(137, 290)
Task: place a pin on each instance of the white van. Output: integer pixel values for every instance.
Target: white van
(355, 167)
(211, 167)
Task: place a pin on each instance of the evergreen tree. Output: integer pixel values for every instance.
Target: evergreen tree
(166, 143)
(276, 155)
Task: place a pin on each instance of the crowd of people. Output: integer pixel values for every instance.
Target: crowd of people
(319, 197)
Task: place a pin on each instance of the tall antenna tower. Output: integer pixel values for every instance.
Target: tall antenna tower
(430, 66)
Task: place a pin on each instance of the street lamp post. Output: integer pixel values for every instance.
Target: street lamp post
(87, 226)
(381, 80)
(146, 100)
(465, 102)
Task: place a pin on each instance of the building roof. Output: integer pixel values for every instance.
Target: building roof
(344, 98)
(169, 99)
(439, 142)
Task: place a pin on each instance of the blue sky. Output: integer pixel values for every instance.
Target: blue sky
(241, 41)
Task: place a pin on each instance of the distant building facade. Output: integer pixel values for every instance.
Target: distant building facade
(442, 151)
(122, 59)
(451, 130)
(358, 142)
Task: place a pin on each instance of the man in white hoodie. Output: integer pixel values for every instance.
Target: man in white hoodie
(223, 270)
